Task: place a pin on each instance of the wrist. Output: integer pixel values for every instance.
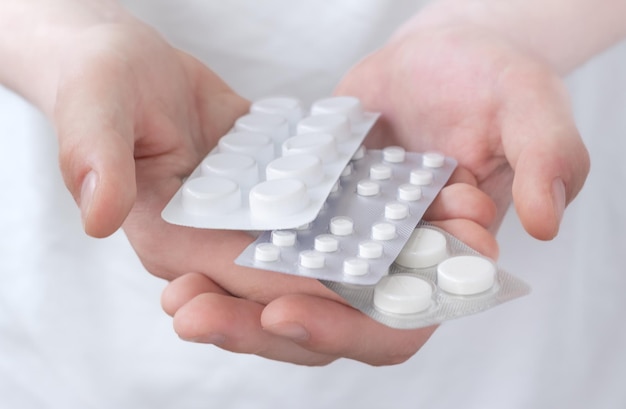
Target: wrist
(36, 35)
(563, 33)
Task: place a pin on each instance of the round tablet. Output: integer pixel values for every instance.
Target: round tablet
(367, 188)
(242, 169)
(421, 177)
(433, 159)
(255, 144)
(394, 154)
(274, 199)
(335, 124)
(383, 231)
(396, 211)
(370, 249)
(326, 243)
(409, 192)
(311, 259)
(380, 171)
(341, 226)
(284, 238)
(466, 275)
(402, 294)
(319, 144)
(355, 266)
(307, 168)
(288, 107)
(266, 252)
(347, 105)
(275, 126)
(425, 248)
(208, 194)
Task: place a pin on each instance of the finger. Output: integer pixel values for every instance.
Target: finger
(462, 175)
(96, 148)
(462, 201)
(184, 288)
(234, 324)
(544, 147)
(332, 328)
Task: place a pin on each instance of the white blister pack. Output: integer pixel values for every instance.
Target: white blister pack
(435, 278)
(366, 221)
(276, 167)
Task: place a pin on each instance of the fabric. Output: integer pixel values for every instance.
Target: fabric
(80, 323)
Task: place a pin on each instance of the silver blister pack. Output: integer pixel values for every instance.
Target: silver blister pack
(435, 278)
(363, 225)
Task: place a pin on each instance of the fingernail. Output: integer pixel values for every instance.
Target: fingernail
(86, 193)
(558, 198)
(215, 339)
(289, 330)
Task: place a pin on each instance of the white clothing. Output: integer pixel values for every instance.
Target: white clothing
(80, 323)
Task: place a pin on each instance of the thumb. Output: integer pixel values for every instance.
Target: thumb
(96, 156)
(546, 151)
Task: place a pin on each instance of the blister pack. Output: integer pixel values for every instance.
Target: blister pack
(435, 278)
(364, 224)
(276, 167)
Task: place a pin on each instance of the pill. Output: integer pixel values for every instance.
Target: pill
(341, 226)
(370, 249)
(284, 238)
(307, 168)
(421, 177)
(394, 154)
(255, 144)
(359, 154)
(266, 252)
(274, 199)
(383, 231)
(326, 243)
(242, 169)
(424, 248)
(275, 126)
(347, 105)
(347, 171)
(367, 188)
(396, 211)
(380, 171)
(466, 275)
(409, 192)
(319, 144)
(288, 107)
(353, 266)
(335, 124)
(207, 194)
(402, 294)
(433, 159)
(311, 259)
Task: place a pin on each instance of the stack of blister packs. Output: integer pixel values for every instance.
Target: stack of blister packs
(331, 210)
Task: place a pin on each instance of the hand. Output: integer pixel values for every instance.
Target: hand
(502, 112)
